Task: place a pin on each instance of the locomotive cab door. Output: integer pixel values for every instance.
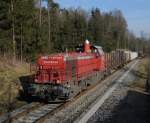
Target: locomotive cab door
(71, 69)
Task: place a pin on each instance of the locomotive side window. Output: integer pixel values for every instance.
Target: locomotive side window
(99, 50)
(95, 51)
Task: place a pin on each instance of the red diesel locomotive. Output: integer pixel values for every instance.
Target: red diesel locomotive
(63, 75)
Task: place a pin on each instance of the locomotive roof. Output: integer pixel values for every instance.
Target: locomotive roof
(74, 55)
(67, 53)
(97, 47)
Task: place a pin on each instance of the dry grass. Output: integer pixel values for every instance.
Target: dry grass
(143, 69)
(147, 68)
(9, 81)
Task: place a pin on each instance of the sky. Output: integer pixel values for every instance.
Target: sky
(136, 12)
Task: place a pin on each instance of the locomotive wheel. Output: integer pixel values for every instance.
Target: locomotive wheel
(50, 97)
(83, 85)
(67, 95)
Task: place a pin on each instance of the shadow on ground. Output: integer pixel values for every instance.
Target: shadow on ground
(134, 108)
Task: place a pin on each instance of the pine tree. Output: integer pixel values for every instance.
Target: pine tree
(5, 27)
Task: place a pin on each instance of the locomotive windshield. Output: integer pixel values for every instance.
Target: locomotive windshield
(80, 48)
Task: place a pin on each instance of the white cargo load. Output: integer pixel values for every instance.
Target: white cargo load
(127, 55)
(133, 55)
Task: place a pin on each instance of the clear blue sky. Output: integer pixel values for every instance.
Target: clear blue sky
(136, 12)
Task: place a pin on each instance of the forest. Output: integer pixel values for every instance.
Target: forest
(28, 29)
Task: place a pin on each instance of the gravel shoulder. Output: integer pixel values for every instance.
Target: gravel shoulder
(126, 104)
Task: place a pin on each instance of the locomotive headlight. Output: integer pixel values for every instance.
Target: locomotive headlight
(58, 81)
(41, 67)
(36, 80)
(68, 86)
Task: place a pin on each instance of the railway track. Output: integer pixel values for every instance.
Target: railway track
(37, 114)
(34, 112)
(8, 117)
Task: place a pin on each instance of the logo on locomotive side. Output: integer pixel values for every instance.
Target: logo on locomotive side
(51, 62)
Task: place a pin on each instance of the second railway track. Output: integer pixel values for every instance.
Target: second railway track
(37, 114)
(24, 110)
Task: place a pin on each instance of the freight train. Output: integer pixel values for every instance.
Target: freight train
(64, 75)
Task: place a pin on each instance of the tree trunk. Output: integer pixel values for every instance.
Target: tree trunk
(13, 32)
(40, 14)
(21, 44)
(49, 31)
